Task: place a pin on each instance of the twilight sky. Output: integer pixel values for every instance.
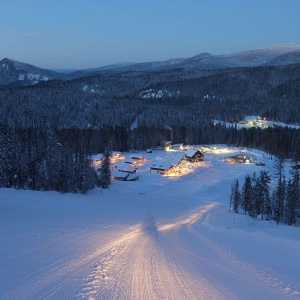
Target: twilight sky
(92, 33)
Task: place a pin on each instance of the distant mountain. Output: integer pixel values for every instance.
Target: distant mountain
(100, 70)
(286, 59)
(272, 55)
(18, 73)
(155, 65)
(65, 71)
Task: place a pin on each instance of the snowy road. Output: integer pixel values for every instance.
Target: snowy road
(175, 240)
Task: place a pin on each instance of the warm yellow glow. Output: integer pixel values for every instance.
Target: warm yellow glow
(190, 218)
(183, 168)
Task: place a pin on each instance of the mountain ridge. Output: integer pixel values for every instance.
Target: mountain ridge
(18, 73)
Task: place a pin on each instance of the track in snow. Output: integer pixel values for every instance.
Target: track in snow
(164, 261)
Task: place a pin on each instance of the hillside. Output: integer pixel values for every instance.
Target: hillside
(159, 237)
(18, 73)
(95, 101)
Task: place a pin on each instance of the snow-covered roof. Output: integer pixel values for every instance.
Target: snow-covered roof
(191, 152)
(121, 165)
(131, 177)
(166, 165)
(119, 174)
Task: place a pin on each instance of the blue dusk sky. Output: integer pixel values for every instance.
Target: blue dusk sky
(81, 34)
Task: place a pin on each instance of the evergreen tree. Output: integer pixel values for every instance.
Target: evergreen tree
(105, 171)
(290, 208)
(53, 161)
(236, 196)
(7, 155)
(279, 199)
(279, 195)
(82, 182)
(293, 198)
(255, 201)
(247, 195)
(263, 194)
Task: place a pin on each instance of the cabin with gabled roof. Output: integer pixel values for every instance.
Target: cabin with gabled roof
(166, 167)
(194, 155)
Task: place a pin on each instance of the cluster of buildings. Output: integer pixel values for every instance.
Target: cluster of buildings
(125, 168)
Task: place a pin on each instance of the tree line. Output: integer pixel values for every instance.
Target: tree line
(257, 198)
(59, 159)
(37, 160)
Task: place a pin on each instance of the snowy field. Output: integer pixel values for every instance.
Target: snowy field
(156, 238)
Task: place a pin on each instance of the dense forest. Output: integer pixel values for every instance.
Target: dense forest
(49, 130)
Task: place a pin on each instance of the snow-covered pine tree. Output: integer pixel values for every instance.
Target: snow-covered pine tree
(292, 209)
(280, 190)
(279, 200)
(255, 202)
(7, 157)
(53, 161)
(247, 195)
(105, 171)
(82, 182)
(263, 194)
(236, 196)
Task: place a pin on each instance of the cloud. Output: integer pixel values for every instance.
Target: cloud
(22, 36)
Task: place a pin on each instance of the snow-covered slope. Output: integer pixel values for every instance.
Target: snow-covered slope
(155, 238)
(17, 73)
(272, 55)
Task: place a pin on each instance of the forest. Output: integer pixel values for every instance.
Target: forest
(48, 131)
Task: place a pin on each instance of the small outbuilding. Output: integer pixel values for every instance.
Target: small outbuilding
(118, 175)
(132, 177)
(124, 176)
(167, 145)
(240, 158)
(139, 158)
(177, 146)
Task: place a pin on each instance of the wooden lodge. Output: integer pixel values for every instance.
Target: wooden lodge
(194, 155)
(166, 167)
